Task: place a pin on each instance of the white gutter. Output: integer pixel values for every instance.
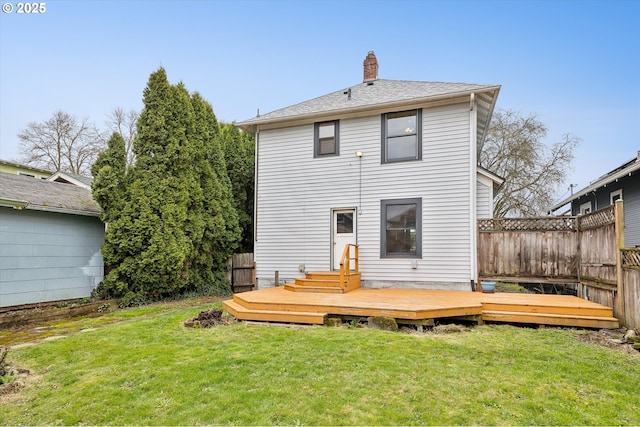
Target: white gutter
(255, 186)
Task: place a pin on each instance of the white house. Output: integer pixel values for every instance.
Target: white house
(390, 165)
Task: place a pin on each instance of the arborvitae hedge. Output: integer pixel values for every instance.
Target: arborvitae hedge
(173, 224)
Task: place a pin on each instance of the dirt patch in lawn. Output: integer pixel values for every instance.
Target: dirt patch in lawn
(45, 323)
(209, 318)
(610, 338)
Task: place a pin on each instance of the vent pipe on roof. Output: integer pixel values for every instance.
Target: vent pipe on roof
(370, 67)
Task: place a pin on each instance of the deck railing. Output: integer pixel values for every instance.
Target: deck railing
(345, 263)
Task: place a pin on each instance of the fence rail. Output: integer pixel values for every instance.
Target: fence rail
(562, 223)
(597, 219)
(631, 257)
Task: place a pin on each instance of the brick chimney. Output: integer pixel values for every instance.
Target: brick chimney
(370, 67)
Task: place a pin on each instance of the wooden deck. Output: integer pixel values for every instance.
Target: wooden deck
(291, 305)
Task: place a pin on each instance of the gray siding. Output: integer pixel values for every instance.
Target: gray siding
(631, 198)
(630, 186)
(48, 256)
(296, 193)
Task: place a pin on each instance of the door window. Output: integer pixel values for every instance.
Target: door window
(344, 222)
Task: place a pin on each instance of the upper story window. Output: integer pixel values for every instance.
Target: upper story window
(585, 208)
(402, 136)
(615, 195)
(326, 138)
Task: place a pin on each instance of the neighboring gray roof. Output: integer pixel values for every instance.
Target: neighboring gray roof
(72, 178)
(15, 190)
(627, 168)
(364, 96)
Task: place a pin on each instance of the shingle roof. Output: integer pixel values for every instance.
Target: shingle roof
(47, 195)
(364, 96)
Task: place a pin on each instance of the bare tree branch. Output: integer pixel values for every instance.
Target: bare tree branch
(532, 170)
(124, 123)
(61, 143)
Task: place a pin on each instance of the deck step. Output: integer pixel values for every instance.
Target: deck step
(323, 275)
(324, 282)
(317, 282)
(551, 319)
(243, 313)
(321, 288)
(588, 309)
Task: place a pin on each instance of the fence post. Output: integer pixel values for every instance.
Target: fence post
(619, 226)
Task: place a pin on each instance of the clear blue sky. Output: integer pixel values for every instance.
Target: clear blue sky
(574, 63)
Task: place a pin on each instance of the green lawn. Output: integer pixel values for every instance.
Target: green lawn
(154, 371)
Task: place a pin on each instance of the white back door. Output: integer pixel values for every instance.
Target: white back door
(344, 232)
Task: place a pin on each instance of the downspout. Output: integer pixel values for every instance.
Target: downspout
(473, 177)
(255, 207)
(255, 188)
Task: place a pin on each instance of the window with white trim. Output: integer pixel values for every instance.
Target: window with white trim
(402, 136)
(615, 195)
(326, 138)
(401, 228)
(585, 208)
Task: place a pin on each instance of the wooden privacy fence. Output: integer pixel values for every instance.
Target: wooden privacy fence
(587, 250)
(630, 292)
(243, 272)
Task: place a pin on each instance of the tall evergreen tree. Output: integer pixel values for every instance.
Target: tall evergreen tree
(239, 154)
(222, 231)
(177, 225)
(109, 178)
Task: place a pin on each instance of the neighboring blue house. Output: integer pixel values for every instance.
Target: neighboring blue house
(621, 183)
(50, 239)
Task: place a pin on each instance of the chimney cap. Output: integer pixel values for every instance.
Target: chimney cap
(370, 67)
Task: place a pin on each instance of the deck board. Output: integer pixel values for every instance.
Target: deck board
(411, 304)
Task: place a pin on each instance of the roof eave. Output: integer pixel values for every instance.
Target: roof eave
(62, 210)
(600, 183)
(251, 124)
(18, 165)
(492, 176)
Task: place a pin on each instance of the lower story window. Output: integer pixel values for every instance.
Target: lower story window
(401, 228)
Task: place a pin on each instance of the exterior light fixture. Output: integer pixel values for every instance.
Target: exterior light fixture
(359, 153)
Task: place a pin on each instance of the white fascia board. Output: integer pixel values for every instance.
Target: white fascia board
(600, 183)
